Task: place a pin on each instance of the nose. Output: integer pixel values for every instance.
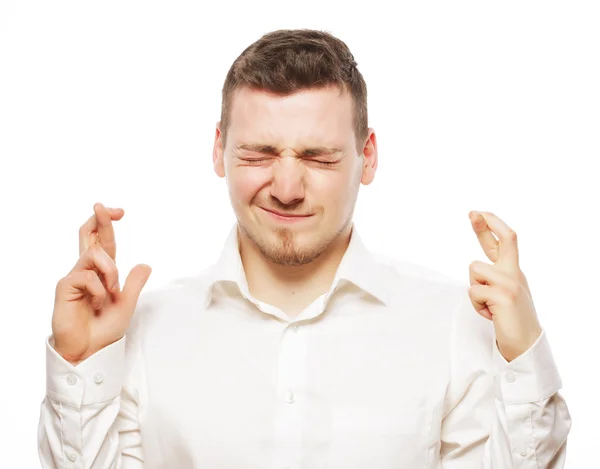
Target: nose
(288, 180)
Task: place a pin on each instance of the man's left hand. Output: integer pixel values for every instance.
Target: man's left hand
(500, 292)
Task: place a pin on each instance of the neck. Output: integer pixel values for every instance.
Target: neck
(291, 288)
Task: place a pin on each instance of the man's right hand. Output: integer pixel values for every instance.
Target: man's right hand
(90, 310)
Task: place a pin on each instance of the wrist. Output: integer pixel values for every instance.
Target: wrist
(72, 359)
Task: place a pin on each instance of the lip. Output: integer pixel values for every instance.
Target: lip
(285, 217)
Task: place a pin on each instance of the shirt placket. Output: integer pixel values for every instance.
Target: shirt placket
(292, 404)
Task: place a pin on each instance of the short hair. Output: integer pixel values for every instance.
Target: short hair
(289, 60)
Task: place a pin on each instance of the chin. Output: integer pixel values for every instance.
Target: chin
(287, 246)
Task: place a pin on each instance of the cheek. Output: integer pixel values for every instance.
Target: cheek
(334, 190)
(244, 183)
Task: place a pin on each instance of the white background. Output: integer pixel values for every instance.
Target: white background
(476, 106)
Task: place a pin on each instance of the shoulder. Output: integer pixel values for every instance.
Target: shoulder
(442, 295)
(402, 270)
(171, 299)
(420, 288)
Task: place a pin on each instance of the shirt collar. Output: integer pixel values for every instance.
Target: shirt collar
(229, 267)
(358, 266)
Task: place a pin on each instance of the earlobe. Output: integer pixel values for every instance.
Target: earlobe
(368, 174)
(220, 168)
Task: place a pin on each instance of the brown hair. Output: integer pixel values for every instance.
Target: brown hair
(290, 60)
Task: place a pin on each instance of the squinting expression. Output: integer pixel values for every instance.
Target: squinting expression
(293, 170)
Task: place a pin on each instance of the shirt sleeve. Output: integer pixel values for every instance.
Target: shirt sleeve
(89, 416)
(501, 415)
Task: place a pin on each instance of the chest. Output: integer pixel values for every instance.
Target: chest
(327, 393)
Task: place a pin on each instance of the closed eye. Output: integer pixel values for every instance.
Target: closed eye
(324, 162)
(258, 160)
(307, 156)
(255, 160)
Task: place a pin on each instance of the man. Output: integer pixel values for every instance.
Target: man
(299, 348)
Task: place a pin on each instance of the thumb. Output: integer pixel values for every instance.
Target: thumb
(137, 278)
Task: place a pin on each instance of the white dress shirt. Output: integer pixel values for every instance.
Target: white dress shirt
(392, 368)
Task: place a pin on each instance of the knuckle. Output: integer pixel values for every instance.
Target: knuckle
(95, 249)
(512, 290)
(61, 283)
(64, 283)
(89, 275)
(99, 296)
(84, 229)
(112, 273)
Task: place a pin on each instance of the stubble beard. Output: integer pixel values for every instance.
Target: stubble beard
(285, 251)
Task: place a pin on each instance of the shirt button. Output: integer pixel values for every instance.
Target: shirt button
(72, 457)
(290, 397)
(524, 453)
(71, 379)
(98, 378)
(510, 377)
(295, 327)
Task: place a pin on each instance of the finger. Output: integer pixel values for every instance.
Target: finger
(87, 280)
(508, 251)
(96, 258)
(485, 274)
(133, 286)
(89, 230)
(487, 240)
(106, 232)
(88, 233)
(480, 297)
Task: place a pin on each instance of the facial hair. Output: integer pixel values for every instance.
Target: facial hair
(285, 250)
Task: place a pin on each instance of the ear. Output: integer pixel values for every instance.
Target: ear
(218, 150)
(370, 159)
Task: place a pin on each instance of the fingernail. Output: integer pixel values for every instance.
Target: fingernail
(116, 286)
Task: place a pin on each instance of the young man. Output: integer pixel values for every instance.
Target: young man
(299, 348)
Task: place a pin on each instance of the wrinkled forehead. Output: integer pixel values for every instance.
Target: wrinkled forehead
(315, 116)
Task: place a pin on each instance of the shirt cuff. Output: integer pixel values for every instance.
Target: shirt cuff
(96, 379)
(531, 377)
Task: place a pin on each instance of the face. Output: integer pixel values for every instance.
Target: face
(293, 170)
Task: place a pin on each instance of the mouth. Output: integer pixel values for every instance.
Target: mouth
(289, 217)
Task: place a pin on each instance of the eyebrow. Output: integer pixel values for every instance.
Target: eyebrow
(315, 151)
